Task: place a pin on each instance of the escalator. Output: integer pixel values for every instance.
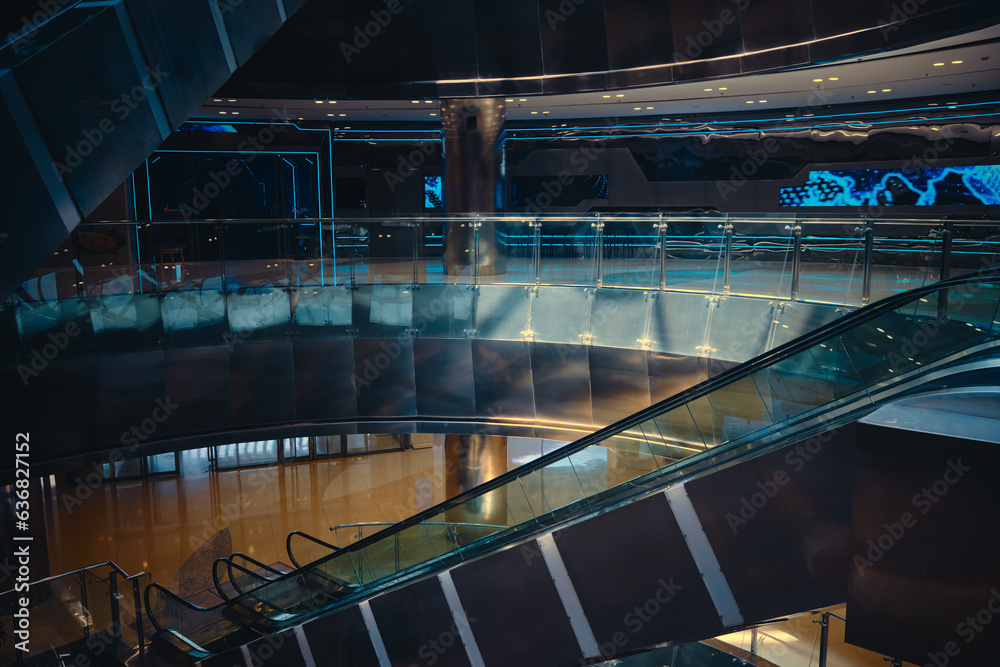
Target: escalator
(442, 569)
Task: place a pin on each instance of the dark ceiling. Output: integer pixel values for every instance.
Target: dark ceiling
(398, 49)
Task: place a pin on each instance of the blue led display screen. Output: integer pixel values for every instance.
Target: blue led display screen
(930, 186)
(432, 192)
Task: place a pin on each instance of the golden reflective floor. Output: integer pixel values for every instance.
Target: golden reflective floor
(155, 524)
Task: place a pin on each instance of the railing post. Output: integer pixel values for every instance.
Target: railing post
(416, 227)
(727, 262)
(116, 616)
(661, 227)
(600, 250)
(866, 279)
(475, 249)
(796, 230)
(140, 632)
(222, 255)
(945, 250)
(83, 601)
(824, 639)
(537, 244)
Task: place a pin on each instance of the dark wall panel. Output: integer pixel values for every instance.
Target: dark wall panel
(498, 54)
(635, 557)
(514, 610)
(573, 37)
(250, 23)
(707, 29)
(767, 24)
(924, 576)
(387, 368)
(341, 640)
(561, 377)
(326, 386)
(278, 650)
(128, 386)
(262, 384)
(619, 383)
(203, 396)
(444, 378)
(503, 379)
(417, 626)
(638, 33)
(779, 526)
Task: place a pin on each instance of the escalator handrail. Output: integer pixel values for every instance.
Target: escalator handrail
(780, 353)
(176, 598)
(256, 562)
(230, 564)
(288, 546)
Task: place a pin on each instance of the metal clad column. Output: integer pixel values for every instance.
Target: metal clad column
(472, 183)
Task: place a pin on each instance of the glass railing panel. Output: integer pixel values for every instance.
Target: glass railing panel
(176, 257)
(429, 235)
(443, 311)
(518, 241)
(738, 410)
(974, 247)
(124, 321)
(903, 257)
(258, 312)
(762, 259)
(58, 617)
(256, 253)
(303, 252)
(627, 457)
(319, 306)
(694, 253)
(676, 432)
(187, 311)
(568, 251)
(631, 252)
(832, 259)
(349, 253)
(391, 247)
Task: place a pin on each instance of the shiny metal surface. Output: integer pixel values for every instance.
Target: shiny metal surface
(560, 375)
(472, 129)
(452, 393)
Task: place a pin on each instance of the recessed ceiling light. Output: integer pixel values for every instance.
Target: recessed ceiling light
(834, 78)
(932, 104)
(817, 80)
(762, 101)
(649, 107)
(223, 113)
(509, 99)
(723, 89)
(534, 113)
(545, 112)
(231, 100)
(887, 90)
(938, 64)
(331, 114)
(216, 100)
(319, 101)
(236, 113)
(432, 101)
(433, 113)
(749, 101)
(636, 108)
(331, 101)
(957, 62)
(414, 101)
(872, 91)
(605, 96)
(522, 99)
(708, 90)
(620, 95)
(342, 115)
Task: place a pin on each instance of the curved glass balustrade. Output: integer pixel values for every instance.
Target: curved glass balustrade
(815, 382)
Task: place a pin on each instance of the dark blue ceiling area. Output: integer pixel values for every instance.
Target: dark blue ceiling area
(401, 48)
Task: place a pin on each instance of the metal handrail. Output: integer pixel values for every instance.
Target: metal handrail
(288, 545)
(229, 566)
(112, 564)
(176, 598)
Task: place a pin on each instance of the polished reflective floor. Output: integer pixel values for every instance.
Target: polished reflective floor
(154, 525)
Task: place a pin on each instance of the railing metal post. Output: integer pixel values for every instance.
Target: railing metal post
(475, 249)
(866, 279)
(116, 617)
(416, 227)
(600, 250)
(796, 230)
(662, 229)
(83, 602)
(945, 250)
(727, 262)
(537, 245)
(824, 639)
(140, 632)
(221, 238)
(396, 540)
